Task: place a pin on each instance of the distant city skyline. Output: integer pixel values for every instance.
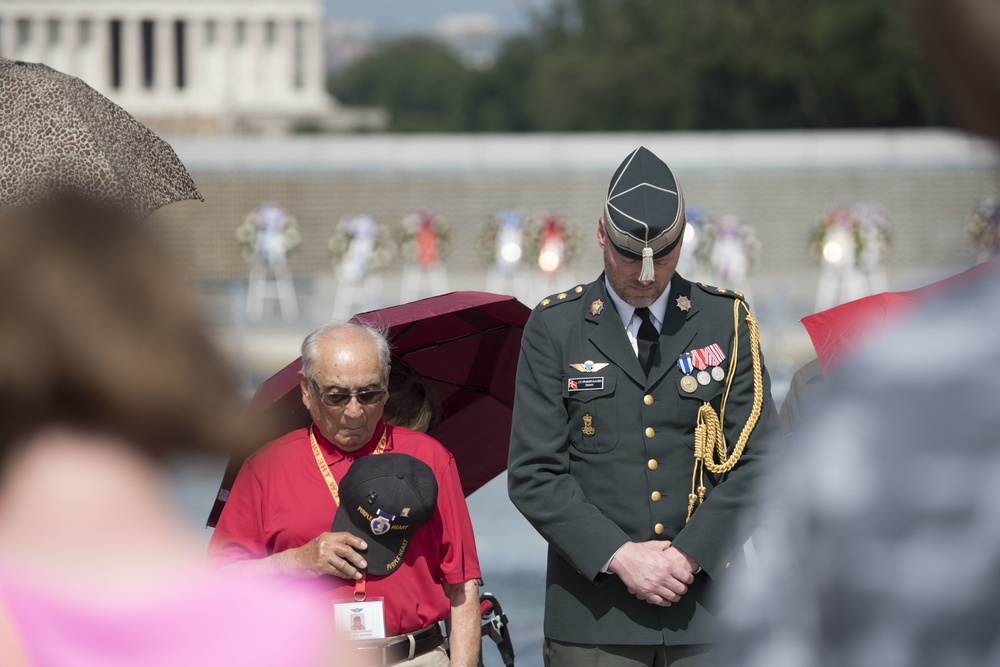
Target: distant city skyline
(403, 16)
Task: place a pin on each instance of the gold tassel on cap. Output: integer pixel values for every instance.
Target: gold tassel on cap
(647, 265)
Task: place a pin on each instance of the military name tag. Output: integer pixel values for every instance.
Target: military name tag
(585, 384)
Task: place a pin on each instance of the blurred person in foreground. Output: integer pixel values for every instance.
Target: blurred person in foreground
(105, 375)
(286, 511)
(883, 546)
(640, 435)
(886, 545)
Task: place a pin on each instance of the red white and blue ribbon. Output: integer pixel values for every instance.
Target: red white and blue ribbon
(685, 363)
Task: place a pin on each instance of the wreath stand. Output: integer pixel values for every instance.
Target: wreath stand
(271, 282)
(268, 233)
(418, 280)
(355, 296)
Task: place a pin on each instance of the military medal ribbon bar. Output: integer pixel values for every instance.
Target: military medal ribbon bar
(716, 356)
(700, 359)
(685, 362)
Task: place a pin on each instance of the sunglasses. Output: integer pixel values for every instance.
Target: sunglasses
(338, 399)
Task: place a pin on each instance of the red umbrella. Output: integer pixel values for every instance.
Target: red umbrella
(837, 332)
(464, 345)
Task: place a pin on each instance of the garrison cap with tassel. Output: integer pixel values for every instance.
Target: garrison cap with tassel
(644, 211)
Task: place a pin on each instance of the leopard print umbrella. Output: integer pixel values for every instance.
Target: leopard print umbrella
(59, 135)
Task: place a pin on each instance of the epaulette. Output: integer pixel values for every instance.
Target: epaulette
(562, 297)
(722, 291)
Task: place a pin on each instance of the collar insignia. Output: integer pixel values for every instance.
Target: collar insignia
(596, 307)
(589, 366)
(684, 303)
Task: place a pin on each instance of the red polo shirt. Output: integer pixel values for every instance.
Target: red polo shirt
(280, 501)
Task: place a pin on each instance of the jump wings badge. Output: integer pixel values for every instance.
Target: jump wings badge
(588, 425)
(589, 366)
(596, 307)
(381, 523)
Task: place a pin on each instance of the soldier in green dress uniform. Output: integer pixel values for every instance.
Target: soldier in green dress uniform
(643, 426)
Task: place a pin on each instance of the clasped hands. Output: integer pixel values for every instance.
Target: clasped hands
(654, 571)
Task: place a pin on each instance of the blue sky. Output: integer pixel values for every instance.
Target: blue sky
(422, 15)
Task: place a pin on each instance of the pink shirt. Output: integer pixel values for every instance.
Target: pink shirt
(280, 501)
(202, 619)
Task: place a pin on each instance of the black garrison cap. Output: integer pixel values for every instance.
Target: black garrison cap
(644, 211)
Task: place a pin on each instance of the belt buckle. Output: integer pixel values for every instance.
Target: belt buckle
(372, 647)
(411, 640)
(384, 650)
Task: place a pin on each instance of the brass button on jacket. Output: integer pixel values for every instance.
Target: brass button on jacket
(647, 399)
(651, 464)
(655, 496)
(658, 529)
(650, 432)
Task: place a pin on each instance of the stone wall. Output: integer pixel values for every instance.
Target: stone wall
(927, 183)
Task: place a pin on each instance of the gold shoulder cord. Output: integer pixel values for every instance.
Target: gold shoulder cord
(710, 450)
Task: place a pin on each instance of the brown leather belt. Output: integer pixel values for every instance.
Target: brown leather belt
(403, 647)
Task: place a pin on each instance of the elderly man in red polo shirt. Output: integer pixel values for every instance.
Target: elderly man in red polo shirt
(281, 509)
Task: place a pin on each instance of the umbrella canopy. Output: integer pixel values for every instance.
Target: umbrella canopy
(57, 134)
(837, 332)
(464, 345)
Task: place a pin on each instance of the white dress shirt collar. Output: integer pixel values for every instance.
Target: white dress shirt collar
(658, 309)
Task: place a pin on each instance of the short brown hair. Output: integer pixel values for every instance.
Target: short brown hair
(98, 333)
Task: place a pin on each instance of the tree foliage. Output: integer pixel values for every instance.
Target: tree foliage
(419, 80)
(608, 65)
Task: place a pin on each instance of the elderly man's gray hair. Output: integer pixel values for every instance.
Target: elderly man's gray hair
(334, 330)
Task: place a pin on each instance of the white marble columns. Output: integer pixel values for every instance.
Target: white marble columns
(234, 58)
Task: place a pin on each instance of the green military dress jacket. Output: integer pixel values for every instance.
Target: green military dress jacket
(603, 457)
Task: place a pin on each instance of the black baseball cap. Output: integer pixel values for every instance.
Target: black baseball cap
(384, 498)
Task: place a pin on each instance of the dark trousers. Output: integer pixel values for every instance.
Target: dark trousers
(564, 654)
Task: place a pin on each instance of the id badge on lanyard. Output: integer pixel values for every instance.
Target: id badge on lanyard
(361, 617)
(360, 620)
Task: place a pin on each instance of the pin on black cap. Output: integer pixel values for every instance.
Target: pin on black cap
(644, 211)
(384, 498)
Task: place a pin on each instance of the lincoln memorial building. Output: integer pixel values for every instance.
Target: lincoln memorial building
(190, 66)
